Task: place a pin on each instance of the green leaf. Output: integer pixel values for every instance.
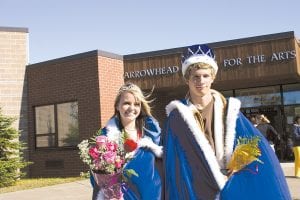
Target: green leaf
(130, 172)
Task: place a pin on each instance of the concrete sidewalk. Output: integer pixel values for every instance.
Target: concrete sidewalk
(294, 183)
(78, 190)
(82, 190)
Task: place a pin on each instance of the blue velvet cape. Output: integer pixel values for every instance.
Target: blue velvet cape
(192, 172)
(147, 185)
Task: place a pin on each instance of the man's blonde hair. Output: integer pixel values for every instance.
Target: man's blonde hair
(199, 66)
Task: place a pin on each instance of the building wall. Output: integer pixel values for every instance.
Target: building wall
(161, 98)
(239, 61)
(92, 79)
(268, 60)
(110, 74)
(243, 63)
(159, 64)
(58, 81)
(297, 46)
(13, 61)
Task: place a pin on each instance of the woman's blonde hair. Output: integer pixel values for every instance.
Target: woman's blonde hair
(199, 65)
(139, 97)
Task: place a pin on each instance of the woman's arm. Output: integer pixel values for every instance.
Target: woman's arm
(274, 133)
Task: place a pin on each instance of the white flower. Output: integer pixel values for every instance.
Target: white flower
(84, 151)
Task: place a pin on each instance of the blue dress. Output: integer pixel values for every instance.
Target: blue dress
(147, 185)
(193, 170)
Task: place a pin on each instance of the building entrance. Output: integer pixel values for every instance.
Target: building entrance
(276, 117)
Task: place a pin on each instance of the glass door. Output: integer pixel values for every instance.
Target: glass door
(276, 118)
(290, 112)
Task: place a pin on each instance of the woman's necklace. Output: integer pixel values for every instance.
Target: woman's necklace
(131, 133)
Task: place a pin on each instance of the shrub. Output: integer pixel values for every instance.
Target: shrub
(11, 159)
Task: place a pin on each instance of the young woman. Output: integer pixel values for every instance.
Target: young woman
(133, 118)
(267, 130)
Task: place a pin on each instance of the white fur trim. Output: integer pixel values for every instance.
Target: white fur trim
(233, 110)
(170, 107)
(113, 132)
(147, 142)
(199, 59)
(208, 152)
(219, 128)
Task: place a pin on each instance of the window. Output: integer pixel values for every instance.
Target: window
(263, 96)
(45, 128)
(57, 125)
(67, 121)
(291, 94)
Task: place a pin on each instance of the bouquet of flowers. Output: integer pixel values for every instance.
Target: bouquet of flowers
(246, 152)
(106, 159)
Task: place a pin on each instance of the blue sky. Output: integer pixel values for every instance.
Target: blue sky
(59, 28)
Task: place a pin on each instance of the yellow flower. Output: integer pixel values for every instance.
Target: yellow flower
(245, 153)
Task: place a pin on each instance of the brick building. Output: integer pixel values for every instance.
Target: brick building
(70, 98)
(13, 83)
(263, 72)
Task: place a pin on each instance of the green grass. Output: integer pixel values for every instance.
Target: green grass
(29, 183)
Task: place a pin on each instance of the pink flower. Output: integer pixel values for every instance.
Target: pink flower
(93, 151)
(101, 141)
(111, 146)
(118, 162)
(110, 157)
(98, 165)
(105, 157)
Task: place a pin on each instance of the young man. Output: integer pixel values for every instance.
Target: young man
(200, 138)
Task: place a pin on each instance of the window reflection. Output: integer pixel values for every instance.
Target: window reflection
(45, 141)
(67, 115)
(58, 128)
(44, 116)
(291, 94)
(262, 96)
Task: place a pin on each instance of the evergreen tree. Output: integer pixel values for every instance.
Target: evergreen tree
(11, 159)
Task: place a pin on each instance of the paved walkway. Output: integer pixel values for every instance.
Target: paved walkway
(294, 183)
(78, 190)
(82, 190)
